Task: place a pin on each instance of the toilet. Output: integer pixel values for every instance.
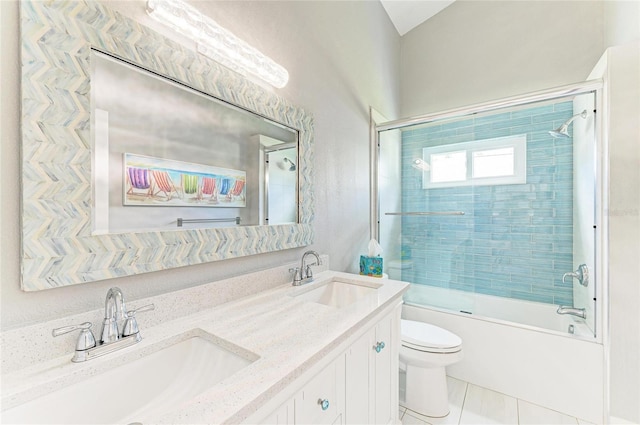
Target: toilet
(425, 352)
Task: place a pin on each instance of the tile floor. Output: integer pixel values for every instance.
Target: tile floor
(473, 405)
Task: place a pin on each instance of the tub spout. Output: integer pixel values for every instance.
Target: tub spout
(580, 312)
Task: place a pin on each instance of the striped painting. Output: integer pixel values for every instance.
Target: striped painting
(154, 182)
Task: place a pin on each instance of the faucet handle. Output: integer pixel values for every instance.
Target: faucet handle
(581, 274)
(308, 273)
(130, 326)
(86, 339)
(297, 275)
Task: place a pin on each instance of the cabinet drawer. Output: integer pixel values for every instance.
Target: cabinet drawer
(323, 388)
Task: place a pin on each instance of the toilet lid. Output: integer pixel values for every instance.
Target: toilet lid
(419, 334)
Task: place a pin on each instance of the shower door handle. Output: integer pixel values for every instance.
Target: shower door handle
(581, 273)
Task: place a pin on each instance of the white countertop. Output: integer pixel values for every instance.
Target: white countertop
(289, 336)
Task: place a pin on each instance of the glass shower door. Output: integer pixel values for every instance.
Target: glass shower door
(486, 213)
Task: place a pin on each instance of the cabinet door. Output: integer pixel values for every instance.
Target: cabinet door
(372, 374)
(383, 373)
(358, 383)
(282, 416)
(321, 400)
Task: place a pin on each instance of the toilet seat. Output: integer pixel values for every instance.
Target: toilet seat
(429, 338)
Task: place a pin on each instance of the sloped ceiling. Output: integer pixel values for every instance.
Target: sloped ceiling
(407, 14)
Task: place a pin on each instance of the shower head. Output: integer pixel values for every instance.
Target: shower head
(563, 130)
(420, 164)
(293, 166)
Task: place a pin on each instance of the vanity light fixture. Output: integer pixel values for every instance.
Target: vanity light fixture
(216, 42)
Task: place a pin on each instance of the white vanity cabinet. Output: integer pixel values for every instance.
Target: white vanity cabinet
(371, 380)
(321, 400)
(360, 386)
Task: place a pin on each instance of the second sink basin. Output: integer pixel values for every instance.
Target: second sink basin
(147, 386)
(338, 293)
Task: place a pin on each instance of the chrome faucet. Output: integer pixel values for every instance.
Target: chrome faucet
(580, 312)
(114, 311)
(112, 339)
(304, 274)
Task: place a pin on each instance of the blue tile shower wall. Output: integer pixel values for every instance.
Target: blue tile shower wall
(515, 240)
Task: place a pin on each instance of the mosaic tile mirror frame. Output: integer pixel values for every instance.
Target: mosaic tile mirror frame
(58, 244)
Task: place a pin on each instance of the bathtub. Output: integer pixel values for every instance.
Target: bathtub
(519, 348)
(532, 315)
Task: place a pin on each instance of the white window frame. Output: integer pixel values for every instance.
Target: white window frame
(517, 142)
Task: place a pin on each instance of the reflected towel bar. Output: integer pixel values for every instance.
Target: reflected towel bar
(207, 220)
(427, 213)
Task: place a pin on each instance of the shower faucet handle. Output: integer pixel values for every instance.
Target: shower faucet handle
(581, 273)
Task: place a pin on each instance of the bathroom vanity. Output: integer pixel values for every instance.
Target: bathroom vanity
(358, 385)
(324, 352)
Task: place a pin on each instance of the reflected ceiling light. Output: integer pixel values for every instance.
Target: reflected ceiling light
(216, 42)
(420, 164)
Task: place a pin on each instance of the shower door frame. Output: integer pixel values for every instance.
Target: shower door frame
(601, 183)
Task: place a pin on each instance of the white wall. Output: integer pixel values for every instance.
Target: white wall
(342, 57)
(621, 22)
(476, 51)
(622, 78)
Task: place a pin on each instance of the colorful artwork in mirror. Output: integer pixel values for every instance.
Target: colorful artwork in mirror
(150, 181)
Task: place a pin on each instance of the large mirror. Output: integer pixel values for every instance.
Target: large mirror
(141, 155)
(195, 164)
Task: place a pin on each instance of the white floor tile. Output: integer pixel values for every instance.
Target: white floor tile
(482, 406)
(473, 405)
(581, 422)
(457, 393)
(409, 419)
(531, 414)
(401, 412)
(613, 420)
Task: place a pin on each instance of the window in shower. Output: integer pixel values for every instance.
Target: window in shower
(489, 209)
(501, 160)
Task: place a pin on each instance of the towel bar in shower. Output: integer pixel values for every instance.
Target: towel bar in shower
(181, 221)
(426, 213)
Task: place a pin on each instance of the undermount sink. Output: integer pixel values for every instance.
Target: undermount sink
(132, 392)
(338, 293)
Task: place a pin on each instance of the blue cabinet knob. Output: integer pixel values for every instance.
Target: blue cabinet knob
(324, 404)
(378, 347)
